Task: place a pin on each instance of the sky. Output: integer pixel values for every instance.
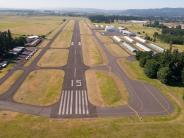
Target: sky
(98, 4)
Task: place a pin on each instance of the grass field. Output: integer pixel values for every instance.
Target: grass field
(129, 127)
(41, 87)
(105, 89)
(4, 71)
(64, 39)
(30, 25)
(84, 29)
(92, 52)
(54, 58)
(10, 81)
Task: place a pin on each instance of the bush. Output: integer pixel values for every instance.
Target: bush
(151, 68)
(164, 75)
(182, 76)
(142, 62)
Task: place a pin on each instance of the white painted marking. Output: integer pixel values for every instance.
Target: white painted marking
(72, 84)
(63, 110)
(76, 102)
(61, 103)
(86, 101)
(79, 102)
(68, 102)
(75, 73)
(71, 102)
(83, 107)
(79, 43)
(72, 43)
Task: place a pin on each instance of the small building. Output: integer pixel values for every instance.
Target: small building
(17, 50)
(30, 39)
(110, 29)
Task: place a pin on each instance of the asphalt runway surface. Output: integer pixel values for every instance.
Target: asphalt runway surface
(144, 99)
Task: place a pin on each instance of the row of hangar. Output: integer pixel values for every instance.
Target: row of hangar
(136, 43)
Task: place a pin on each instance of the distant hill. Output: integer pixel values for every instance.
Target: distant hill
(169, 12)
(163, 12)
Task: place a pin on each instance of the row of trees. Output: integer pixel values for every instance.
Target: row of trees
(168, 35)
(168, 67)
(110, 19)
(7, 42)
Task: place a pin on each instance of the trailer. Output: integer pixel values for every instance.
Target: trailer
(157, 48)
(130, 40)
(117, 39)
(129, 47)
(143, 47)
(140, 39)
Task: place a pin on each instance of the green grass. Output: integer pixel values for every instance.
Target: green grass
(37, 127)
(109, 90)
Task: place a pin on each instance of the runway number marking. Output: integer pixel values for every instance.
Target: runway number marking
(77, 83)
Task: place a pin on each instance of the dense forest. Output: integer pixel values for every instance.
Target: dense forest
(7, 42)
(168, 67)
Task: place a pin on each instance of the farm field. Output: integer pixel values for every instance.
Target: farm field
(30, 25)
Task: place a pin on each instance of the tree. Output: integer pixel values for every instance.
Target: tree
(151, 68)
(142, 62)
(164, 75)
(182, 75)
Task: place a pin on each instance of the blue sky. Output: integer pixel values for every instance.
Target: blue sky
(100, 4)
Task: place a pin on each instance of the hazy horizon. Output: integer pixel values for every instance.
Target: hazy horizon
(103, 4)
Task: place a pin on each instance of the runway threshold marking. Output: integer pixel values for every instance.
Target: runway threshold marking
(74, 102)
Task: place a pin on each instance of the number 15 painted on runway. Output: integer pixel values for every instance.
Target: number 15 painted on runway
(77, 83)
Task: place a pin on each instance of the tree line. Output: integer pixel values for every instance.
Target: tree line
(110, 19)
(168, 67)
(7, 42)
(168, 35)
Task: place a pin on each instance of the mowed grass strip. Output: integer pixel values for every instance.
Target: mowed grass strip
(54, 58)
(42, 87)
(4, 71)
(84, 29)
(92, 53)
(10, 81)
(105, 89)
(65, 37)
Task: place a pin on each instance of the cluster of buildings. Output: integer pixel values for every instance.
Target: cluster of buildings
(135, 43)
(129, 40)
(28, 50)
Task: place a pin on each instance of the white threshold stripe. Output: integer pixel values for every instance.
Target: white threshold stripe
(61, 103)
(64, 101)
(76, 102)
(86, 102)
(83, 107)
(68, 102)
(71, 102)
(79, 102)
